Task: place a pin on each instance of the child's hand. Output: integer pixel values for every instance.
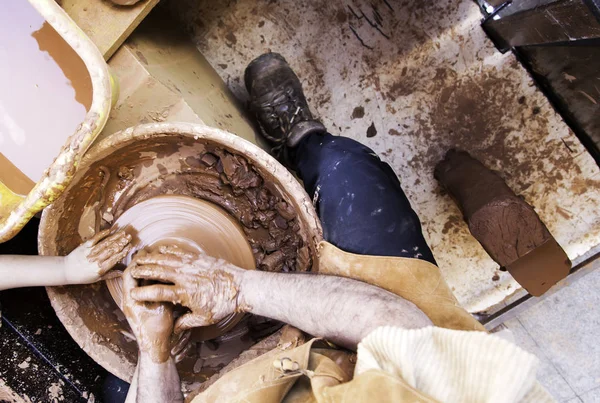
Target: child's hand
(90, 261)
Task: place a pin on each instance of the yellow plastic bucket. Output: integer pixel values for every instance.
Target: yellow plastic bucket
(16, 209)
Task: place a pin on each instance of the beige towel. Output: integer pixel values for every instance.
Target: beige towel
(452, 365)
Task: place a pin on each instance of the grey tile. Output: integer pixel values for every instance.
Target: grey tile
(574, 400)
(593, 396)
(547, 375)
(565, 326)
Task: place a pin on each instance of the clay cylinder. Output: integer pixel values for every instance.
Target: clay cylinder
(194, 160)
(507, 227)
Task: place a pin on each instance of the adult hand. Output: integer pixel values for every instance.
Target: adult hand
(207, 286)
(92, 260)
(151, 323)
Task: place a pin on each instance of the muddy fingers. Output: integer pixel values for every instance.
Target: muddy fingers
(112, 274)
(151, 322)
(176, 251)
(99, 236)
(155, 272)
(113, 260)
(156, 293)
(109, 246)
(191, 320)
(160, 259)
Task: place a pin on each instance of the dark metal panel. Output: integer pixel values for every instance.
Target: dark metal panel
(510, 6)
(570, 76)
(493, 3)
(561, 21)
(518, 6)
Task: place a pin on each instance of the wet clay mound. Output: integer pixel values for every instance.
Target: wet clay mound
(193, 225)
(206, 171)
(502, 222)
(507, 227)
(128, 168)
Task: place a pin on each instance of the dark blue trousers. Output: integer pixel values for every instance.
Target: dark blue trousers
(358, 198)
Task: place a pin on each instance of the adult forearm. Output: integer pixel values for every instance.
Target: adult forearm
(157, 381)
(336, 308)
(28, 271)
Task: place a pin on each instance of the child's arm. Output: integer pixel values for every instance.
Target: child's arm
(86, 264)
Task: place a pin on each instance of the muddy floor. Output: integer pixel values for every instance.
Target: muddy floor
(412, 79)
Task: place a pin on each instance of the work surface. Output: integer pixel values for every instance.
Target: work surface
(412, 79)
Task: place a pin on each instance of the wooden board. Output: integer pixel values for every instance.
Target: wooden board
(106, 24)
(163, 77)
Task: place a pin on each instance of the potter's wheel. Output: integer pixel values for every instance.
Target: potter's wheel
(127, 169)
(192, 224)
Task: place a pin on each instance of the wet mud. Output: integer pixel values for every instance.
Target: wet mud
(143, 171)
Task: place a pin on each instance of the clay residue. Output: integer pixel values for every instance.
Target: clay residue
(452, 225)
(7, 395)
(358, 113)
(178, 166)
(503, 223)
(13, 178)
(372, 130)
(216, 175)
(506, 226)
(55, 392)
(461, 119)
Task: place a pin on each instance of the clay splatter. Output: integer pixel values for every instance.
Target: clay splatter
(371, 131)
(436, 83)
(358, 113)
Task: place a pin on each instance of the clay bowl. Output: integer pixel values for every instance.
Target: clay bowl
(171, 158)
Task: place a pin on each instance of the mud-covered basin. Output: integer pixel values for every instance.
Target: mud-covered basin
(88, 311)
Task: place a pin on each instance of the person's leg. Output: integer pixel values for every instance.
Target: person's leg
(114, 390)
(358, 198)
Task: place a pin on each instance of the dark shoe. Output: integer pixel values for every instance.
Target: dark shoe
(277, 100)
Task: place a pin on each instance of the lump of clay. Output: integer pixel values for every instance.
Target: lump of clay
(506, 226)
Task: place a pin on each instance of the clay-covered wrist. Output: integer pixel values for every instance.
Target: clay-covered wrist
(156, 352)
(245, 280)
(235, 278)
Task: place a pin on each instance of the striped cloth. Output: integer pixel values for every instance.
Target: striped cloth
(452, 365)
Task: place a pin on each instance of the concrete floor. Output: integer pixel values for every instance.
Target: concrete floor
(562, 331)
(412, 79)
(424, 78)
